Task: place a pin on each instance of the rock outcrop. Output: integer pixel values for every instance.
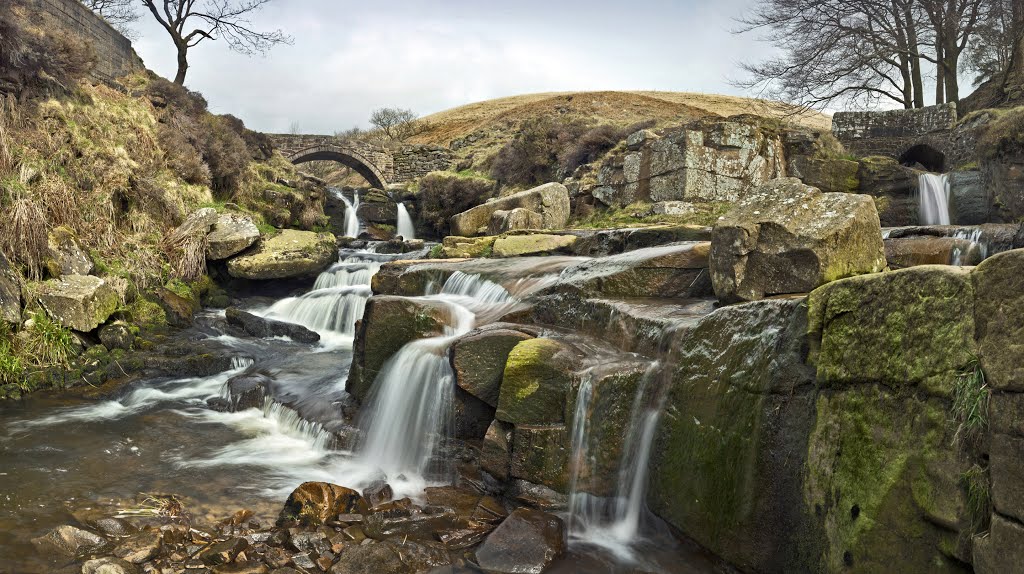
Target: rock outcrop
(532, 244)
(231, 234)
(290, 253)
(550, 200)
(78, 302)
(263, 327)
(787, 237)
(10, 293)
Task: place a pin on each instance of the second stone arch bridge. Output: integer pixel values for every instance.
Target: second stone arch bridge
(380, 165)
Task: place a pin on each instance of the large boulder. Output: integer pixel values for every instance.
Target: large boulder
(231, 234)
(676, 270)
(290, 253)
(550, 200)
(541, 455)
(894, 188)
(527, 542)
(827, 174)
(68, 256)
(514, 220)
(67, 540)
(537, 377)
(10, 292)
(478, 359)
(907, 328)
(78, 302)
(389, 323)
(787, 237)
(262, 327)
(998, 308)
(454, 246)
(533, 244)
(970, 200)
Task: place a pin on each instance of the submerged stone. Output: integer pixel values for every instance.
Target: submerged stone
(317, 502)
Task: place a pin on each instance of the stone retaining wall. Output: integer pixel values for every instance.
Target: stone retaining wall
(891, 133)
(415, 161)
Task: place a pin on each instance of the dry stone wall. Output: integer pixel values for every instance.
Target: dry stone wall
(115, 56)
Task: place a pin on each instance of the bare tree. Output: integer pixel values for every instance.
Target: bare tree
(954, 23)
(190, 22)
(991, 52)
(118, 13)
(395, 124)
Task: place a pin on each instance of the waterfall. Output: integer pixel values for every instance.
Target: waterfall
(975, 244)
(336, 302)
(933, 199)
(351, 218)
(615, 523)
(404, 223)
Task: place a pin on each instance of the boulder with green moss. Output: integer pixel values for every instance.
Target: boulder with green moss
(533, 244)
(67, 257)
(550, 200)
(231, 234)
(999, 306)
(535, 382)
(904, 329)
(78, 302)
(787, 237)
(388, 324)
(460, 247)
(290, 253)
(540, 454)
(478, 359)
(728, 453)
(830, 175)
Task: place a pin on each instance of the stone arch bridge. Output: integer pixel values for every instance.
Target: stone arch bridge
(379, 165)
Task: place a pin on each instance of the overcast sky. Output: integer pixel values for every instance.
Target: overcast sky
(352, 57)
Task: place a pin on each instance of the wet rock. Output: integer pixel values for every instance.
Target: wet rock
(114, 527)
(397, 245)
(241, 568)
(970, 200)
(140, 547)
(78, 302)
(262, 327)
(536, 496)
(231, 234)
(496, 451)
(786, 237)
(470, 416)
(527, 542)
(676, 270)
(109, 566)
(540, 454)
(117, 335)
(378, 492)
(533, 244)
(390, 557)
(453, 246)
(612, 241)
(68, 257)
(489, 510)
(290, 253)
(381, 525)
(389, 323)
(479, 357)
(223, 552)
(514, 220)
(318, 502)
(460, 500)
(912, 251)
(248, 391)
(894, 188)
(998, 305)
(535, 382)
(550, 200)
(178, 310)
(10, 293)
(68, 541)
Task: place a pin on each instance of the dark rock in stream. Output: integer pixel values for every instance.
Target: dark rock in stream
(318, 502)
(262, 327)
(247, 391)
(109, 566)
(69, 541)
(141, 547)
(528, 541)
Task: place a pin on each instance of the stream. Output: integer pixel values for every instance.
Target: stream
(71, 458)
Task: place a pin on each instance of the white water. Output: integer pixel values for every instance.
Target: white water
(352, 228)
(975, 244)
(404, 223)
(933, 199)
(614, 524)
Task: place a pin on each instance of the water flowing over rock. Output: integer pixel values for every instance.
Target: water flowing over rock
(290, 253)
(675, 270)
(934, 199)
(231, 234)
(527, 542)
(263, 327)
(79, 302)
(404, 226)
(550, 200)
(786, 237)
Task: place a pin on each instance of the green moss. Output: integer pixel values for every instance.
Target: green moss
(147, 313)
(641, 214)
(436, 252)
(535, 383)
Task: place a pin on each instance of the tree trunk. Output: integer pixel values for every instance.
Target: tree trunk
(951, 66)
(179, 78)
(915, 58)
(940, 74)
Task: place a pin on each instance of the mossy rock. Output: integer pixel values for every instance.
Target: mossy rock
(882, 480)
(533, 244)
(290, 253)
(537, 377)
(829, 174)
(540, 454)
(388, 324)
(908, 328)
(999, 307)
(478, 360)
(457, 247)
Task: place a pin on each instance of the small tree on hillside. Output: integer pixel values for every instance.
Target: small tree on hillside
(395, 124)
(118, 13)
(190, 22)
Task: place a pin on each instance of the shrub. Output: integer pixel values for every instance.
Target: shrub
(226, 154)
(49, 343)
(595, 143)
(11, 368)
(443, 195)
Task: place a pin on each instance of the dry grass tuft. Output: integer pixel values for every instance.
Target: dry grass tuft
(23, 239)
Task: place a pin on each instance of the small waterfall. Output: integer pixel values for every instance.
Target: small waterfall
(351, 218)
(615, 523)
(475, 287)
(404, 223)
(933, 199)
(975, 244)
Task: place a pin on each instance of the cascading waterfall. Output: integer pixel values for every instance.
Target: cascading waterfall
(975, 243)
(933, 199)
(615, 523)
(404, 223)
(351, 218)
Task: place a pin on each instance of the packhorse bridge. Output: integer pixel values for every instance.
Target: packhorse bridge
(379, 165)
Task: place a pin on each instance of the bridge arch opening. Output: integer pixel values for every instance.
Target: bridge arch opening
(925, 155)
(349, 158)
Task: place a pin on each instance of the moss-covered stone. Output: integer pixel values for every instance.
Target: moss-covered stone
(533, 244)
(456, 247)
(882, 480)
(912, 327)
(536, 379)
(540, 454)
(389, 323)
(479, 358)
(999, 309)
(828, 174)
(290, 253)
(727, 458)
(79, 302)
